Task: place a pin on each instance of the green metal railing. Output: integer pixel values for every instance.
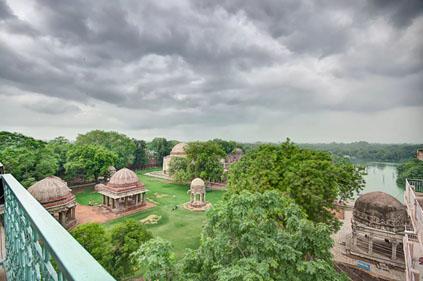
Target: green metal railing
(416, 183)
(37, 246)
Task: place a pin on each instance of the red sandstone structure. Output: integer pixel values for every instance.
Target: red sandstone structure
(420, 154)
(123, 192)
(54, 194)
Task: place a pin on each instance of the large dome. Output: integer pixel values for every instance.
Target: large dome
(179, 149)
(50, 189)
(198, 185)
(124, 178)
(380, 210)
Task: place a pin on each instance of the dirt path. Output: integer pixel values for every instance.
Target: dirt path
(86, 214)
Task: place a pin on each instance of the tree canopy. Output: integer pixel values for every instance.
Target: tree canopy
(60, 147)
(250, 236)
(120, 144)
(203, 160)
(28, 159)
(95, 240)
(412, 169)
(127, 238)
(89, 161)
(312, 178)
(160, 148)
(156, 260)
(227, 146)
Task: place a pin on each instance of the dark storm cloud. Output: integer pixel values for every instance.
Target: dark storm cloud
(211, 62)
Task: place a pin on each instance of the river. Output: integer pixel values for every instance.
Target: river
(382, 177)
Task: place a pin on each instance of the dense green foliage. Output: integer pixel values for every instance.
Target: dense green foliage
(178, 169)
(120, 144)
(127, 238)
(114, 249)
(156, 260)
(140, 154)
(94, 239)
(251, 236)
(312, 178)
(365, 151)
(160, 147)
(60, 147)
(89, 161)
(412, 169)
(28, 159)
(203, 161)
(227, 146)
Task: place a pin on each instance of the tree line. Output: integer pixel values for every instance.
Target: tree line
(85, 159)
(364, 151)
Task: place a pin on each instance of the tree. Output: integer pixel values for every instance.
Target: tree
(204, 160)
(123, 146)
(140, 153)
(28, 164)
(156, 260)
(161, 148)
(89, 161)
(94, 239)
(412, 169)
(227, 146)
(178, 170)
(312, 178)
(60, 146)
(261, 236)
(126, 238)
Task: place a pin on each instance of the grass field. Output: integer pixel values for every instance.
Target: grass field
(181, 227)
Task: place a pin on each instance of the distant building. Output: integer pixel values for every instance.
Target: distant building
(56, 197)
(420, 154)
(177, 151)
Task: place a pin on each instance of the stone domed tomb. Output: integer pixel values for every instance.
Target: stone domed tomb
(177, 151)
(54, 194)
(378, 226)
(123, 192)
(197, 194)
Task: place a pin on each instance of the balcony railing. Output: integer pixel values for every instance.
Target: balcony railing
(37, 246)
(417, 184)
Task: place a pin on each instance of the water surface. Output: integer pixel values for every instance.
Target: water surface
(382, 177)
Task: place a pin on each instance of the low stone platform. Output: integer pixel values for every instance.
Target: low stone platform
(98, 214)
(188, 206)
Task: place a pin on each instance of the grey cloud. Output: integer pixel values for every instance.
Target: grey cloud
(211, 63)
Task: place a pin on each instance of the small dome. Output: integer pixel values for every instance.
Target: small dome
(124, 178)
(198, 185)
(50, 189)
(179, 149)
(380, 210)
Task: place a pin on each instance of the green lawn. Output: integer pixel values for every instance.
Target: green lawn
(88, 196)
(181, 227)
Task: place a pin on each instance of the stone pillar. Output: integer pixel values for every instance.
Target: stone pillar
(354, 238)
(62, 218)
(370, 251)
(394, 249)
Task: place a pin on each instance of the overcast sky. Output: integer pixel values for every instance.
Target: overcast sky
(314, 71)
